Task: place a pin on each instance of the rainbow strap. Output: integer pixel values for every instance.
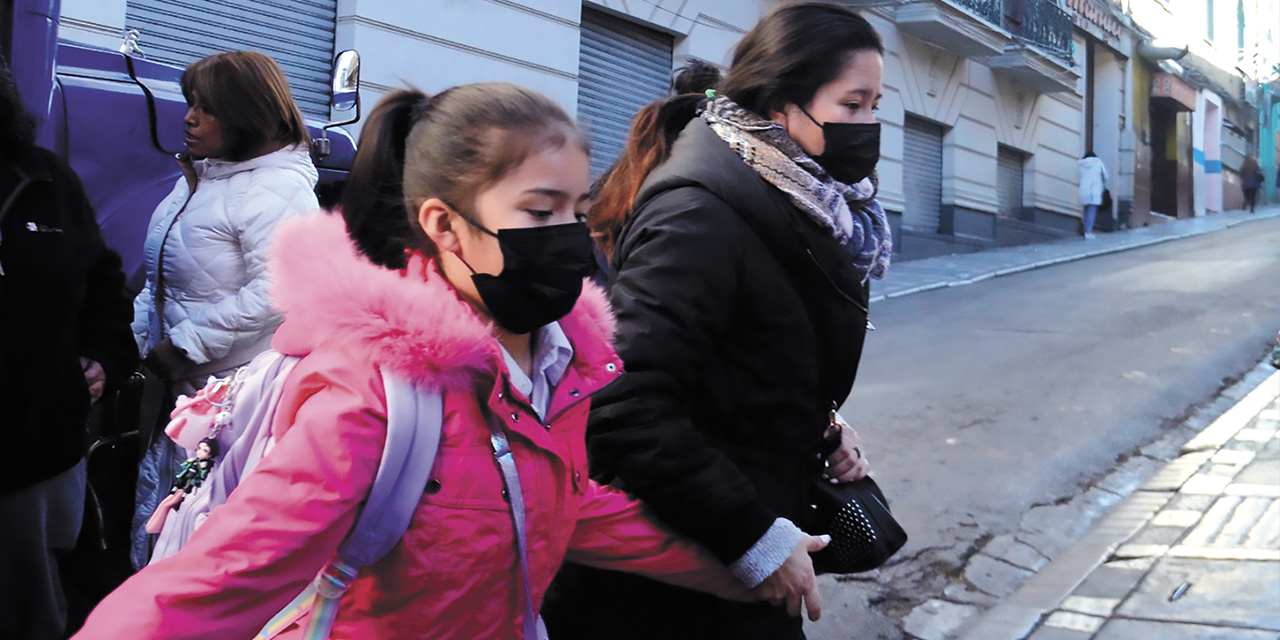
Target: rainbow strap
(322, 597)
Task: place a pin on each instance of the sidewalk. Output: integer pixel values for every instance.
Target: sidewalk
(927, 274)
(1193, 554)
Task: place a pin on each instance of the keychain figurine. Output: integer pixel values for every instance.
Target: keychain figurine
(190, 476)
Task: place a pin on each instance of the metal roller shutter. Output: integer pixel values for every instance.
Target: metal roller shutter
(1009, 166)
(622, 67)
(922, 174)
(299, 34)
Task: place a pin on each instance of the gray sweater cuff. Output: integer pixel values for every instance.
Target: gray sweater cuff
(768, 553)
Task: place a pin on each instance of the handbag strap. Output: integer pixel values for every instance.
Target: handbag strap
(507, 463)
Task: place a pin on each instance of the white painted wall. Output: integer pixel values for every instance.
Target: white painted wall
(706, 29)
(1206, 139)
(981, 110)
(96, 22)
(535, 43)
(1109, 99)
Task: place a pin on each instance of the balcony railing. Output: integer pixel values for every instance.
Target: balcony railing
(1041, 23)
(989, 10)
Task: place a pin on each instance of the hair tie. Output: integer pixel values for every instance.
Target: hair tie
(711, 94)
(420, 109)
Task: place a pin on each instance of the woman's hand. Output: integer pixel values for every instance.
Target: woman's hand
(794, 583)
(847, 463)
(94, 377)
(168, 361)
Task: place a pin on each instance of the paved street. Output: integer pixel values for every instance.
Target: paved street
(1007, 410)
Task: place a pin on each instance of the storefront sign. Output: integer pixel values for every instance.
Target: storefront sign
(1098, 20)
(1166, 85)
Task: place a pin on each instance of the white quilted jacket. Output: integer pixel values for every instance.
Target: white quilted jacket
(213, 248)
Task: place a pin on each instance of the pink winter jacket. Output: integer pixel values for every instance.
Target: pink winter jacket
(454, 574)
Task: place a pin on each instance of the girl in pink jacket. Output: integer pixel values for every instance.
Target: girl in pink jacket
(460, 268)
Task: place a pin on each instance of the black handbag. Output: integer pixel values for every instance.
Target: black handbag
(856, 514)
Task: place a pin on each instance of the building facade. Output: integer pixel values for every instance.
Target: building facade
(602, 60)
(988, 104)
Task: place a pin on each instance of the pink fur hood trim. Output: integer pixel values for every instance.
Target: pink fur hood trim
(410, 321)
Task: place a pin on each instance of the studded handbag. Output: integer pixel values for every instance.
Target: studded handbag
(864, 534)
(856, 514)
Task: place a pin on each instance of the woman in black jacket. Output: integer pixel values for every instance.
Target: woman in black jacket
(740, 288)
(64, 339)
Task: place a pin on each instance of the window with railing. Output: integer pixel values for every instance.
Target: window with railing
(988, 10)
(1041, 23)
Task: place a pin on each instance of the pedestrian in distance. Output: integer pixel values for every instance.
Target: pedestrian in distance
(460, 267)
(205, 307)
(1092, 176)
(1251, 181)
(742, 255)
(64, 343)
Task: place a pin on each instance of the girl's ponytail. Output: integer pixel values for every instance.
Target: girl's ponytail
(373, 199)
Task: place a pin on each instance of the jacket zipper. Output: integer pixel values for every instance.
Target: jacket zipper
(857, 303)
(4, 209)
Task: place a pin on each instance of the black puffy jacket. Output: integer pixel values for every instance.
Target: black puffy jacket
(61, 297)
(741, 323)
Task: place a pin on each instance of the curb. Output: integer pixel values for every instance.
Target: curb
(1137, 244)
(1018, 615)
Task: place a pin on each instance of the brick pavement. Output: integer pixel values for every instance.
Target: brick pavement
(1193, 554)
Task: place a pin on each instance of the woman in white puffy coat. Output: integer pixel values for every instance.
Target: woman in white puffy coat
(205, 308)
(1093, 180)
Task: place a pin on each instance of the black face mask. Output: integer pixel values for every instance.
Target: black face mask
(542, 272)
(851, 150)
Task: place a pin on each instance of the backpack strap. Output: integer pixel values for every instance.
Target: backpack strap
(507, 463)
(414, 421)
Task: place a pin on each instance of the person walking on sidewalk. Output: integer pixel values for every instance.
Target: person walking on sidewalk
(460, 269)
(1093, 180)
(741, 283)
(1251, 179)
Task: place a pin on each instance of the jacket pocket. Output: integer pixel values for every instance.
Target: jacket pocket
(466, 478)
(463, 523)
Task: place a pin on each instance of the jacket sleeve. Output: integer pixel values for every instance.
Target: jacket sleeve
(142, 304)
(259, 550)
(210, 331)
(674, 293)
(103, 323)
(613, 532)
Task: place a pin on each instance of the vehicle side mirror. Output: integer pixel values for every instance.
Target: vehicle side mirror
(346, 82)
(344, 95)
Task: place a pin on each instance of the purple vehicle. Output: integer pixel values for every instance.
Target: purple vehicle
(116, 118)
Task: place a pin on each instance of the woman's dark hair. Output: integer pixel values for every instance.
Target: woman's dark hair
(451, 146)
(1249, 166)
(696, 76)
(249, 95)
(1089, 154)
(794, 50)
(17, 127)
(653, 130)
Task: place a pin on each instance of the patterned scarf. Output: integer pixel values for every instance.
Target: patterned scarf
(850, 212)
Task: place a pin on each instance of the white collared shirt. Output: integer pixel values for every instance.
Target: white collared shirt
(551, 355)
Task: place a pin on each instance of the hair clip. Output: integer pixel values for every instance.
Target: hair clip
(711, 94)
